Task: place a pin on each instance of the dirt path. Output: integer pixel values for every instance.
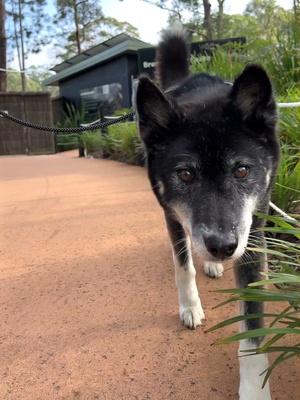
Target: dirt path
(88, 304)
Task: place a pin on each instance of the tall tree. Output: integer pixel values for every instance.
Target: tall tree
(75, 16)
(220, 19)
(27, 30)
(198, 23)
(267, 14)
(86, 26)
(207, 19)
(3, 79)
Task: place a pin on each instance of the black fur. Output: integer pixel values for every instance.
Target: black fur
(214, 130)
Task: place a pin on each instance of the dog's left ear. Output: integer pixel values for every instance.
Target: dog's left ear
(252, 94)
(154, 112)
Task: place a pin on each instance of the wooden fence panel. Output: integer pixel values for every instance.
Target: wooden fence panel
(34, 107)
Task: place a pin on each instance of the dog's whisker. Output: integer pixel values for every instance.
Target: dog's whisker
(179, 241)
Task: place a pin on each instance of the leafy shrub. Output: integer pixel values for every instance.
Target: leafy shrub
(286, 191)
(290, 117)
(282, 58)
(73, 117)
(121, 142)
(125, 142)
(226, 61)
(67, 141)
(93, 141)
(284, 256)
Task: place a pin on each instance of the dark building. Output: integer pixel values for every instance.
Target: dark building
(101, 77)
(104, 77)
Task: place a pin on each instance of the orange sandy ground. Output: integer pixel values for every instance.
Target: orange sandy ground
(88, 303)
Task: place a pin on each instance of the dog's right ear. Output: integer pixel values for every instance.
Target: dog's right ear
(154, 112)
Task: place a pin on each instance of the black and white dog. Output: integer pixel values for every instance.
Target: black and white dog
(212, 154)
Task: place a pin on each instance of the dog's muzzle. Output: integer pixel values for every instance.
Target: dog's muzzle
(221, 246)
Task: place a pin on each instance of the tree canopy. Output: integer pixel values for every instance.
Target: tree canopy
(76, 25)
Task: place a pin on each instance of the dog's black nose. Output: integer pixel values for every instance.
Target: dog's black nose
(220, 246)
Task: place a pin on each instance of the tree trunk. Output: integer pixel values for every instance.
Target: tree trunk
(220, 19)
(296, 7)
(207, 20)
(3, 75)
(77, 28)
(23, 78)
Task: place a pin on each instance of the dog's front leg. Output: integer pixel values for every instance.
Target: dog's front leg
(190, 309)
(251, 366)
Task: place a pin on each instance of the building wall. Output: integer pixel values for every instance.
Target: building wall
(118, 70)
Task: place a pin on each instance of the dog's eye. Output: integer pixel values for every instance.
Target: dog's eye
(240, 172)
(185, 175)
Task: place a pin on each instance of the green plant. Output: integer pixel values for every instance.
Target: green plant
(283, 256)
(93, 141)
(286, 190)
(67, 141)
(289, 122)
(123, 111)
(227, 61)
(73, 117)
(282, 59)
(121, 142)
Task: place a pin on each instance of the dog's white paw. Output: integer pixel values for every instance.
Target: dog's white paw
(192, 316)
(213, 269)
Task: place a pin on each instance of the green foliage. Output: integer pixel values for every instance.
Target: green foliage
(74, 17)
(126, 141)
(226, 61)
(14, 83)
(284, 255)
(282, 58)
(38, 74)
(281, 61)
(33, 34)
(86, 26)
(69, 141)
(34, 78)
(123, 111)
(74, 116)
(268, 18)
(286, 191)
(290, 117)
(121, 142)
(93, 141)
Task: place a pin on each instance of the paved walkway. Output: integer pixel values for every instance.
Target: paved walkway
(88, 304)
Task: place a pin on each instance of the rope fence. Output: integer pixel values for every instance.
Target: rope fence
(91, 127)
(96, 124)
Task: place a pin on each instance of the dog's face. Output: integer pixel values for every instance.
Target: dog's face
(212, 157)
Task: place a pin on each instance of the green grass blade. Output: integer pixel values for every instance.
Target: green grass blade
(258, 333)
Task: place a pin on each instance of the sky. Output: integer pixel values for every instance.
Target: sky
(148, 18)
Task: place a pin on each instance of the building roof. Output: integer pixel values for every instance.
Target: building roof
(104, 51)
